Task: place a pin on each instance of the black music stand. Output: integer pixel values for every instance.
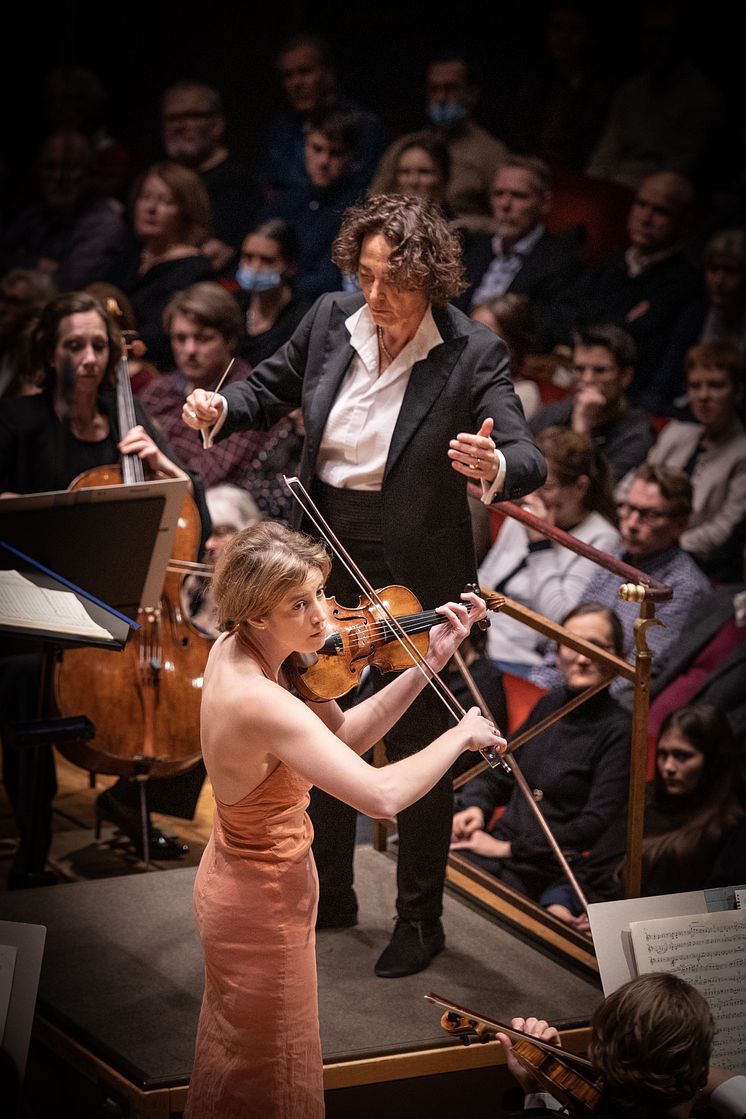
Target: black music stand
(112, 537)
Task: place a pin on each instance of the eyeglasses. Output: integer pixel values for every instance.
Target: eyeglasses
(647, 516)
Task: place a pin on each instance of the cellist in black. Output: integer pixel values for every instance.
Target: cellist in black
(46, 440)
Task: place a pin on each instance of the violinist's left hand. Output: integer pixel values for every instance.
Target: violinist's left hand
(445, 639)
(475, 456)
(534, 1027)
(138, 442)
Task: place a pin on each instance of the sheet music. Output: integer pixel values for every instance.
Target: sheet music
(8, 953)
(22, 603)
(708, 951)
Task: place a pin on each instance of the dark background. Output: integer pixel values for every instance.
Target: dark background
(381, 49)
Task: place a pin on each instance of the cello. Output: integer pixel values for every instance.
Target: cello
(144, 701)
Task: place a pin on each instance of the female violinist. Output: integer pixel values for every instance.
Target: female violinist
(258, 1050)
(46, 440)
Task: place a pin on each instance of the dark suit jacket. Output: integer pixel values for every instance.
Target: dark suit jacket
(546, 272)
(427, 533)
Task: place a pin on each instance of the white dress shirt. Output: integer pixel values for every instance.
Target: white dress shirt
(357, 436)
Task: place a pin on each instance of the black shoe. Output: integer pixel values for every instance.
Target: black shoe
(31, 879)
(129, 822)
(412, 948)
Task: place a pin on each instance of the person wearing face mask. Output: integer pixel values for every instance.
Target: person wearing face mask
(577, 768)
(694, 801)
(272, 308)
(452, 96)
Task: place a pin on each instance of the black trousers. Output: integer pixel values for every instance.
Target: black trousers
(425, 827)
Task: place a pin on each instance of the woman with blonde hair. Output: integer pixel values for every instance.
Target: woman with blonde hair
(258, 1049)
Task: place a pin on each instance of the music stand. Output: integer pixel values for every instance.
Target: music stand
(116, 542)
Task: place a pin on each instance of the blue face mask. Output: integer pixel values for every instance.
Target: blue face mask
(450, 113)
(256, 279)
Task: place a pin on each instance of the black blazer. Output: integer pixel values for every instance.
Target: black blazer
(553, 264)
(428, 542)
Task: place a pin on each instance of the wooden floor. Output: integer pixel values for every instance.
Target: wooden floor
(76, 855)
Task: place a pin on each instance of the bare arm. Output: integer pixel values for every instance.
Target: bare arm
(305, 743)
(362, 726)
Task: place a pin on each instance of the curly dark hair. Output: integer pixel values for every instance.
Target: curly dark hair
(425, 255)
(651, 1040)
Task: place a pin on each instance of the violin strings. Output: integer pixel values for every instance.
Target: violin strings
(411, 623)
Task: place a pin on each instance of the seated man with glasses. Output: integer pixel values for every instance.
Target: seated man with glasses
(603, 363)
(651, 521)
(193, 130)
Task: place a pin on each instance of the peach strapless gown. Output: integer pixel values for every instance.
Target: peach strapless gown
(258, 1051)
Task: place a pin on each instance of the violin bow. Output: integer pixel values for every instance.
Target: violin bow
(444, 693)
(513, 767)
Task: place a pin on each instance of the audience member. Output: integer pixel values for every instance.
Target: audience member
(171, 222)
(651, 1042)
(536, 572)
(720, 317)
(510, 317)
(203, 324)
(266, 275)
(707, 662)
(422, 168)
(309, 80)
(651, 521)
(193, 122)
(560, 101)
(665, 116)
(643, 288)
(314, 208)
(231, 510)
(577, 768)
(71, 233)
(603, 364)
(452, 91)
(711, 451)
(75, 99)
(521, 257)
(693, 803)
(23, 292)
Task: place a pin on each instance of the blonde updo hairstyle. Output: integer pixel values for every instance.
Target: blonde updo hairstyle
(259, 567)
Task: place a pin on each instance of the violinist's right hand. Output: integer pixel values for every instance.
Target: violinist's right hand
(534, 1027)
(480, 733)
(202, 410)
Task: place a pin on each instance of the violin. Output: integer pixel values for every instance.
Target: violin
(363, 636)
(569, 1078)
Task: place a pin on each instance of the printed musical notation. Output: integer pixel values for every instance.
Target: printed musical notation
(708, 951)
